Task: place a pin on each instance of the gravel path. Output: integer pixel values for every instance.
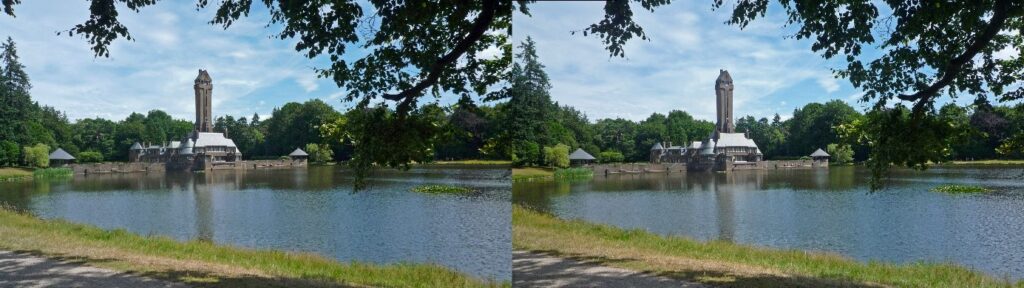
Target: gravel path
(531, 269)
(24, 270)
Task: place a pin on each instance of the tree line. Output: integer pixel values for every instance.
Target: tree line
(981, 130)
(464, 130)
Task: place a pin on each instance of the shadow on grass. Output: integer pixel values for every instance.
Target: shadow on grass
(60, 270)
(706, 277)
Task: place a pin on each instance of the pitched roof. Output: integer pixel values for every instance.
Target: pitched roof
(579, 154)
(819, 153)
(60, 154)
(734, 140)
(136, 146)
(204, 139)
(298, 152)
(657, 146)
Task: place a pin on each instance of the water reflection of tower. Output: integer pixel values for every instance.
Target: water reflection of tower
(204, 206)
(725, 206)
(729, 189)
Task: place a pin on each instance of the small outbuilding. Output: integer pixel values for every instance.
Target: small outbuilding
(60, 158)
(820, 158)
(580, 157)
(298, 155)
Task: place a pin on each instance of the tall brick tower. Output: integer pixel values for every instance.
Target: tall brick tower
(723, 97)
(204, 91)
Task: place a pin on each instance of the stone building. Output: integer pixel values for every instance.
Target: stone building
(202, 149)
(724, 149)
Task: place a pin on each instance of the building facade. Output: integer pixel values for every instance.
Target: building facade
(202, 149)
(724, 149)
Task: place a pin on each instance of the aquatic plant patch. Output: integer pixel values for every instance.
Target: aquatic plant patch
(52, 173)
(960, 189)
(441, 189)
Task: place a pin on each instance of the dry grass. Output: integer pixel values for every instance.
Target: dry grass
(726, 264)
(532, 173)
(208, 264)
(12, 173)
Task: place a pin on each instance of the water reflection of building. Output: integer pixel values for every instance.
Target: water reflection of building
(724, 149)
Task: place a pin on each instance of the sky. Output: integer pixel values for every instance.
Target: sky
(252, 72)
(676, 69)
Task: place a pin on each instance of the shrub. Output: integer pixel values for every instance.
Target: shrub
(90, 157)
(557, 156)
(37, 156)
(611, 157)
(319, 153)
(841, 154)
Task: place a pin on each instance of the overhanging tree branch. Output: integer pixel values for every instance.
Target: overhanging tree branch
(956, 65)
(480, 25)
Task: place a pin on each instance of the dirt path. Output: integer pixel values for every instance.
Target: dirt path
(24, 270)
(531, 269)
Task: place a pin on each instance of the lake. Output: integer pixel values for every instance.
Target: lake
(309, 210)
(818, 210)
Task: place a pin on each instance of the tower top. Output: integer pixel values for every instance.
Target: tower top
(723, 76)
(203, 76)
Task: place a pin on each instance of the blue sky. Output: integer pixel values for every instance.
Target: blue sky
(677, 68)
(252, 73)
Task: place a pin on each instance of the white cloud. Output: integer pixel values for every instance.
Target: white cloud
(829, 83)
(157, 69)
(677, 68)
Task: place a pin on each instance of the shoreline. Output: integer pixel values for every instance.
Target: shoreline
(209, 264)
(720, 263)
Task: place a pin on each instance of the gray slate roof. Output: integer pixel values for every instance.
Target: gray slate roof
(298, 152)
(204, 139)
(734, 140)
(819, 153)
(60, 154)
(579, 154)
(136, 146)
(657, 146)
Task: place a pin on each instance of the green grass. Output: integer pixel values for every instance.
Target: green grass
(573, 174)
(441, 189)
(531, 173)
(52, 173)
(960, 189)
(727, 264)
(207, 264)
(13, 174)
(986, 162)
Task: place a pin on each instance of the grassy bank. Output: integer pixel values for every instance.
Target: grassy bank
(207, 264)
(726, 264)
(473, 162)
(11, 173)
(986, 162)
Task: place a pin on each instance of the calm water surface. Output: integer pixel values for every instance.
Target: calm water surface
(821, 210)
(310, 210)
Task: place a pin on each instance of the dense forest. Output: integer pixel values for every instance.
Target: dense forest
(980, 131)
(467, 131)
